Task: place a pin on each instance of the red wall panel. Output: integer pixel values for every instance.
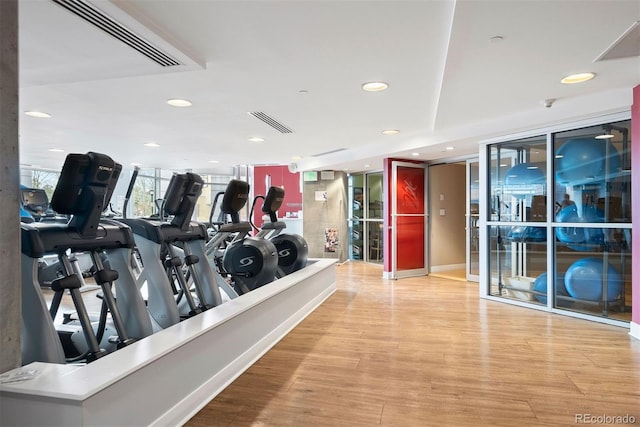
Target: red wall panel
(280, 177)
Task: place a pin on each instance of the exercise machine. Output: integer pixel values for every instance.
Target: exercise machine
(84, 189)
(250, 262)
(292, 249)
(165, 247)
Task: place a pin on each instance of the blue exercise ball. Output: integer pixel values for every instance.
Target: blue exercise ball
(540, 285)
(569, 234)
(583, 160)
(575, 236)
(583, 280)
(523, 233)
(521, 177)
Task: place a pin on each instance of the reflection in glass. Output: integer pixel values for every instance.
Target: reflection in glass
(473, 219)
(518, 257)
(593, 186)
(374, 195)
(594, 274)
(593, 174)
(356, 240)
(374, 242)
(517, 180)
(589, 271)
(365, 217)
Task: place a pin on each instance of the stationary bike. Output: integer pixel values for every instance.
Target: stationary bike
(292, 249)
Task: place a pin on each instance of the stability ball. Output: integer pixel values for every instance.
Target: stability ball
(569, 234)
(522, 233)
(524, 175)
(540, 285)
(583, 280)
(583, 160)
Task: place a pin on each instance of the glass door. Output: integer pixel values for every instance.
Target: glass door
(473, 215)
(365, 217)
(408, 220)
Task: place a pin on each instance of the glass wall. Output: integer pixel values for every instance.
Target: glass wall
(592, 207)
(517, 185)
(365, 217)
(559, 221)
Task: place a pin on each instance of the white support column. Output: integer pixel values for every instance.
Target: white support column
(9, 183)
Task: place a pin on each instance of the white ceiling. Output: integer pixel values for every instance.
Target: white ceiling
(449, 84)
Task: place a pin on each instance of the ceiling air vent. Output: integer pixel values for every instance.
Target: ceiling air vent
(97, 18)
(270, 121)
(328, 152)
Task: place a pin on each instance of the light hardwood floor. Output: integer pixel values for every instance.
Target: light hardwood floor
(430, 352)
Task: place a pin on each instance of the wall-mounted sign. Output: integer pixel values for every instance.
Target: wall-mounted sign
(327, 175)
(310, 176)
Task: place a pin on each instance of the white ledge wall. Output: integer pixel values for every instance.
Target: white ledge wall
(167, 377)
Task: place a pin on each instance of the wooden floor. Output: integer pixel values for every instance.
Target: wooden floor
(429, 352)
(459, 275)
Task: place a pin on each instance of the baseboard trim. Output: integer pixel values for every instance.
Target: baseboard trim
(634, 330)
(448, 267)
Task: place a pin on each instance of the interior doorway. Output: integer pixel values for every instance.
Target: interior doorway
(365, 217)
(453, 214)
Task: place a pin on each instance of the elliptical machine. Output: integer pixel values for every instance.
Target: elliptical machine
(293, 251)
(84, 189)
(250, 262)
(165, 247)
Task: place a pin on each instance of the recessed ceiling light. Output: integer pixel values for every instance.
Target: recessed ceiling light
(256, 139)
(374, 86)
(296, 158)
(38, 114)
(56, 150)
(390, 132)
(577, 78)
(214, 161)
(415, 154)
(449, 148)
(135, 164)
(179, 102)
(152, 144)
(605, 136)
(367, 166)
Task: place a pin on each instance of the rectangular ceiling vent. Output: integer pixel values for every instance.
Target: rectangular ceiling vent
(270, 121)
(97, 18)
(328, 152)
(626, 46)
